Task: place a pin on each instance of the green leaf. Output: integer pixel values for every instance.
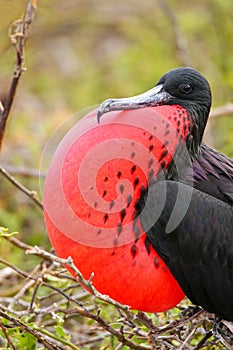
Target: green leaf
(4, 232)
(61, 333)
(27, 341)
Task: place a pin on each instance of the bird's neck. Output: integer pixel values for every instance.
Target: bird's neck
(187, 152)
(199, 117)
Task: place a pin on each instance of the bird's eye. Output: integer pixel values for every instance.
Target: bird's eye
(186, 88)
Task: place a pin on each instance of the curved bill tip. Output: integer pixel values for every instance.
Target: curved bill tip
(104, 107)
(98, 116)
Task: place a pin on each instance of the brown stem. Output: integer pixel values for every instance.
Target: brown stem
(10, 344)
(226, 109)
(18, 34)
(46, 342)
(31, 194)
(119, 334)
(180, 40)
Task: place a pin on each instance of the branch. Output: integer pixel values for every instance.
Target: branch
(63, 300)
(23, 171)
(180, 40)
(182, 346)
(18, 33)
(105, 325)
(18, 243)
(31, 194)
(87, 283)
(176, 323)
(46, 342)
(10, 344)
(226, 109)
(79, 309)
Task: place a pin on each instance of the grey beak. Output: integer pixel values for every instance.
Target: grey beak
(153, 97)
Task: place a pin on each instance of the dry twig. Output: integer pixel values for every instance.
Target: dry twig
(23, 171)
(31, 194)
(131, 328)
(18, 34)
(221, 111)
(180, 40)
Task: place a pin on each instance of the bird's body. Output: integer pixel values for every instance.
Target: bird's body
(213, 174)
(199, 250)
(196, 239)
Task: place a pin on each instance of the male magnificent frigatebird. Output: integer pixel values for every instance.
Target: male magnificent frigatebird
(198, 248)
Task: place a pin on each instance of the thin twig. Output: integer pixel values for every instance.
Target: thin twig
(46, 342)
(18, 33)
(118, 334)
(187, 338)
(203, 340)
(36, 287)
(35, 279)
(87, 283)
(31, 194)
(79, 309)
(226, 109)
(179, 322)
(158, 337)
(10, 344)
(18, 243)
(61, 340)
(147, 321)
(23, 171)
(180, 40)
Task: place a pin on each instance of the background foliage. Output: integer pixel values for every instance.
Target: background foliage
(81, 52)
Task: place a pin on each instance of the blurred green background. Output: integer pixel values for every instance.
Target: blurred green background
(81, 52)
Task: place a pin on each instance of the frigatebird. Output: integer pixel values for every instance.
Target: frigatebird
(199, 249)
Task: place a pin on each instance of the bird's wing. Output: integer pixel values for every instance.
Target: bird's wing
(199, 248)
(212, 173)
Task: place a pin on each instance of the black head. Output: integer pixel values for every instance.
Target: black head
(182, 86)
(189, 89)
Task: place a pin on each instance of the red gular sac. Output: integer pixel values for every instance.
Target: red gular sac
(92, 205)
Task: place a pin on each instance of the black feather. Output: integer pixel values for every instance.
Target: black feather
(198, 251)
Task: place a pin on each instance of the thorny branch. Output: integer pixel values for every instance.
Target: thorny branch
(18, 34)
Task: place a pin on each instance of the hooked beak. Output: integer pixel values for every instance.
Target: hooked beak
(151, 98)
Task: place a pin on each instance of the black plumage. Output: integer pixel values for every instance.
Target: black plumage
(212, 172)
(199, 249)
